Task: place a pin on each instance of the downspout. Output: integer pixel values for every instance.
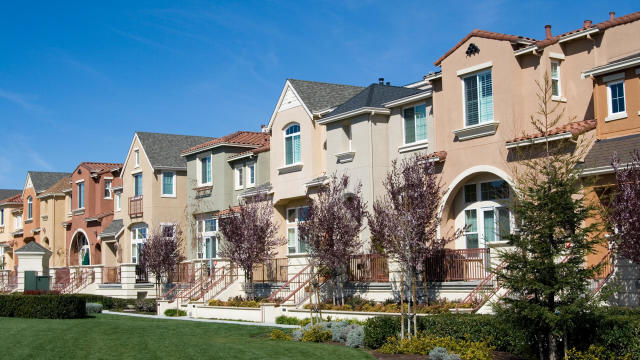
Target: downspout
(371, 154)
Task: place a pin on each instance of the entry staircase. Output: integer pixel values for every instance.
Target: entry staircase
(77, 282)
(204, 288)
(8, 282)
(295, 290)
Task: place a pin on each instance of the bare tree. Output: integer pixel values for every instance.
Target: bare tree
(161, 253)
(249, 235)
(625, 208)
(405, 221)
(332, 226)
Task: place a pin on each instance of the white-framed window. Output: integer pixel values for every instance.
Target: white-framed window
(209, 247)
(84, 255)
(486, 218)
(168, 230)
(295, 244)
(138, 238)
(478, 98)
(615, 96)
(251, 174)
(556, 89)
(415, 123)
(17, 221)
(292, 151)
(1, 217)
(70, 201)
(80, 188)
(205, 170)
(136, 154)
(346, 130)
(137, 184)
(118, 201)
(29, 208)
(239, 173)
(168, 183)
(107, 188)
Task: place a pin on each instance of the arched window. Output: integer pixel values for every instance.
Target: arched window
(487, 217)
(292, 144)
(29, 208)
(84, 257)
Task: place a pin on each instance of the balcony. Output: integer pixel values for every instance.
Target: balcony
(111, 275)
(273, 271)
(203, 191)
(135, 206)
(458, 265)
(368, 268)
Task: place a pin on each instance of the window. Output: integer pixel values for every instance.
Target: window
(615, 91)
(70, 202)
(18, 221)
(251, 174)
(294, 243)
(478, 99)
(292, 144)
(346, 129)
(239, 179)
(555, 78)
(81, 195)
(138, 237)
(107, 188)
(137, 184)
(168, 230)
(494, 190)
(205, 170)
(210, 225)
(470, 193)
(486, 219)
(118, 201)
(1, 217)
(415, 124)
(471, 233)
(136, 153)
(210, 244)
(84, 257)
(168, 183)
(29, 208)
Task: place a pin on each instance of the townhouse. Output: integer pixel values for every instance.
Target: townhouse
(53, 214)
(11, 199)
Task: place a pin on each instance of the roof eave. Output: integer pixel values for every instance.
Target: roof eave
(539, 140)
(356, 112)
(213, 146)
(604, 69)
(409, 99)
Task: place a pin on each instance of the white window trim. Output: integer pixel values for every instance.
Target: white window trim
(238, 173)
(621, 114)
(83, 195)
(559, 96)
(209, 234)
(474, 69)
(475, 73)
(284, 146)
(173, 181)
(136, 241)
(199, 170)
(29, 217)
(404, 137)
(134, 184)
(136, 156)
(480, 206)
(248, 182)
(174, 225)
(294, 225)
(118, 202)
(110, 187)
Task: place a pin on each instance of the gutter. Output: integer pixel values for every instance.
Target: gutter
(359, 111)
(409, 99)
(526, 142)
(213, 146)
(600, 70)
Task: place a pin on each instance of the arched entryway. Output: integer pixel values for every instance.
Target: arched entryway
(80, 250)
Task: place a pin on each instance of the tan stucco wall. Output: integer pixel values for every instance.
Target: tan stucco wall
(52, 214)
(6, 237)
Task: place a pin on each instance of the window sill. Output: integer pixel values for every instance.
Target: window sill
(413, 146)
(616, 116)
(298, 255)
(476, 131)
(250, 186)
(168, 196)
(559, 99)
(28, 221)
(497, 244)
(44, 217)
(290, 168)
(78, 211)
(345, 157)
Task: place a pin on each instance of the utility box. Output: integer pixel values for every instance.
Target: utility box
(34, 282)
(42, 283)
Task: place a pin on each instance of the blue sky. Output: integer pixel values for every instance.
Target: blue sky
(77, 79)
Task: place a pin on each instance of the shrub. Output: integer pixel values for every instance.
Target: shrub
(424, 344)
(378, 329)
(297, 334)
(108, 303)
(235, 302)
(146, 306)
(175, 312)
(316, 333)
(43, 306)
(287, 320)
(94, 308)
(339, 331)
(595, 353)
(355, 336)
(277, 334)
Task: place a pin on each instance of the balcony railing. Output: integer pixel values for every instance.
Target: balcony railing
(141, 275)
(368, 268)
(184, 273)
(273, 271)
(458, 265)
(135, 206)
(111, 275)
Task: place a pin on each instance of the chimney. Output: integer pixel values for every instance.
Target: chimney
(388, 83)
(587, 24)
(612, 15)
(381, 81)
(547, 31)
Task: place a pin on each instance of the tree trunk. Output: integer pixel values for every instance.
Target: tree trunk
(334, 289)
(310, 301)
(253, 288)
(415, 302)
(318, 300)
(402, 305)
(342, 281)
(553, 347)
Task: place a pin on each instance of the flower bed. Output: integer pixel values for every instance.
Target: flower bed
(235, 302)
(351, 335)
(359, 304)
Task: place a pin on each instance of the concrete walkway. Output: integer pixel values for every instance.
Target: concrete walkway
(185, 318)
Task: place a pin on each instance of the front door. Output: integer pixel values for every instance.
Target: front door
(486, 225)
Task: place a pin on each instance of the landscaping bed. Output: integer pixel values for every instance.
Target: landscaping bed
(390, 306)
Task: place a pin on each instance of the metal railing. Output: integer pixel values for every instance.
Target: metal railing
(294, 288)
(220, 282)
(8, 281)
(368, 268)
(272, 271)
(135, 206)
(604, 274)
(458, 265)
(479, 294)
(141, 275)
(111, 275)
(78, 281)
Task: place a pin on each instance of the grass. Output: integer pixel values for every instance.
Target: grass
(120, 337)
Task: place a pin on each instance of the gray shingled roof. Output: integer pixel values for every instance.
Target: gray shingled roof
(374, 96)
(7, 193)
(113, 228)
(319, 96)
(32, 246)
(43, 180)
(602, 151)
(163, 150)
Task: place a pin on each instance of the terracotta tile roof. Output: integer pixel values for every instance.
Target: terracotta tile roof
(487, 35)
(99, 167)
(58, 187)
(15, 199)
(255, 151)
(574, 128)
(250, 138)
(227, 211)
(437, 156)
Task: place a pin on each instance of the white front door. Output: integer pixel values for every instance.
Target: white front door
(486, 225)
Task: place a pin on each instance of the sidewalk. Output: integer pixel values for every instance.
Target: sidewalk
(185, 318)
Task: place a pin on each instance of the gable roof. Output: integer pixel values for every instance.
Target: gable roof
(32, 246)
(238, 138)
(100, 167)
(486, 35)
(600, 156)
(372, 97)
(5, 194)
(163, 150)
(113, 228)
(43, 180)
(57, 188)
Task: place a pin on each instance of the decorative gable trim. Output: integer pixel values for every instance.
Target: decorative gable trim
(288, 87)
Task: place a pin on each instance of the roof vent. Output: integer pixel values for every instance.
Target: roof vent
(587, 24)
(612, 15)
(547, 31)
(381, 81)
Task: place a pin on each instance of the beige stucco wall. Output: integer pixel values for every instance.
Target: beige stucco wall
(52, 214)
(6, 237)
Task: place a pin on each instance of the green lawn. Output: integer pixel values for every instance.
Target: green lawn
(120, 337)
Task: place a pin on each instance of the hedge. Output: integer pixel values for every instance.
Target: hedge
(43, 306)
